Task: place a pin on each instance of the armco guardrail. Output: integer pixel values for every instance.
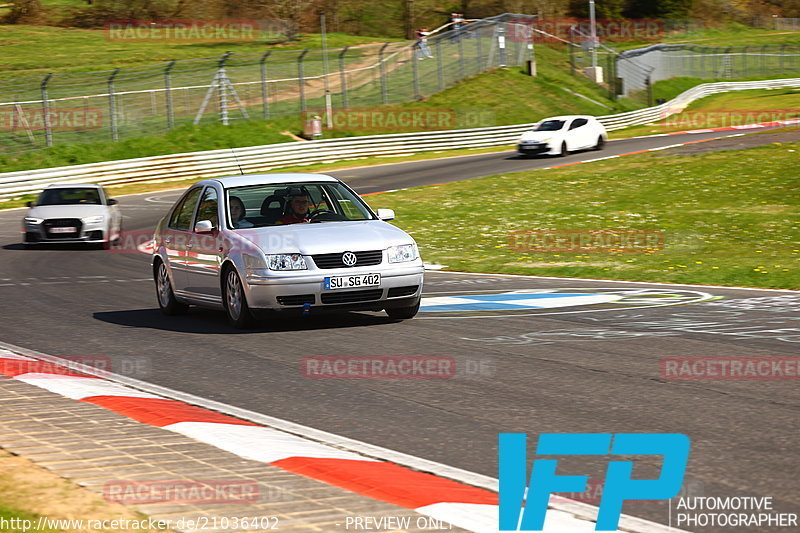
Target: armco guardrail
(268, 157)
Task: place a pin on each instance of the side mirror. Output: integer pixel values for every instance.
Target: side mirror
(385, 214)
(29, 204)
(203, 226)
(112, 201)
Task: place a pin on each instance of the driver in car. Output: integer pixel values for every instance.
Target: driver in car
(298, 210)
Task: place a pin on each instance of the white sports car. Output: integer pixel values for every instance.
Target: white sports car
(561, 135)
(73, 213)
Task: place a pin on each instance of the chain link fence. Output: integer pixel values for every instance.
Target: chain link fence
(57, 109)
(631, 73)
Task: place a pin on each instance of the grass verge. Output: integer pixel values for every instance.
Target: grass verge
(30, 492)
(727, 218)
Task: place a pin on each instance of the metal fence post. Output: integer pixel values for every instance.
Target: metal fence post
(48, 127)
(112, 107)
(382, 68)
(478, 51)
(649, 86)
(264, 85)
(223, 93)
(501, 43)
(343, 76)
(461, 69)
(300, 80)
(439, 65)
(764, 59)
(744, 61)
(168, 94)
(414, 71)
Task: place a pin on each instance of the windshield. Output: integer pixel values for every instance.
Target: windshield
(69, 196)
(550, 125)
(292, 203)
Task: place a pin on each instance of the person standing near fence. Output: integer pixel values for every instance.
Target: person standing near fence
(456, 24)
(423, 50)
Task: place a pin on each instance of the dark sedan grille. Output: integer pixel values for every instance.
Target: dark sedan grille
(396, 292)
(296, 299)
(51, 223)
(352, 296)
(366, 258)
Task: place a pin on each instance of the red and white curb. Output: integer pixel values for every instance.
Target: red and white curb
(460, 504)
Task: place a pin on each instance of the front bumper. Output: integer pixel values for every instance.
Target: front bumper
(401, 286)
(533, 148)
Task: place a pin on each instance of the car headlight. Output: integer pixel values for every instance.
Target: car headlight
(286, 262)
(548, 140)
(33, 220)
(94, 220)
(402, 253)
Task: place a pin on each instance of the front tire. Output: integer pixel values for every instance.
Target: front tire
(167, 302)
(403, 313)
(564, 152)
(236, 307)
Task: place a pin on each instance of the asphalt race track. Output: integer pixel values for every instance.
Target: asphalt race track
(532, 355)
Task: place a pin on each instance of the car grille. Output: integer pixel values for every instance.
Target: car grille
(352, 296)
(51, 223)
(396, 292)
(366, 258)
(296, 299)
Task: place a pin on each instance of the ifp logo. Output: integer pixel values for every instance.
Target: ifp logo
(514, 516)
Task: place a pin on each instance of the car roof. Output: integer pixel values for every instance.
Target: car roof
(269, 179)
(73, 185)
(568, 117)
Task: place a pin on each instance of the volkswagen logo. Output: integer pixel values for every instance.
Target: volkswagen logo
(349, 259)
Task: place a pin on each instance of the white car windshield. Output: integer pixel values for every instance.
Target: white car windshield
(550, 125)
(291, 203)
(69, 196)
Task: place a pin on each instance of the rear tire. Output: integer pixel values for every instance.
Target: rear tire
(236, 307)
(167, 302)
(564, 152)
(601, 142)
(403, 313)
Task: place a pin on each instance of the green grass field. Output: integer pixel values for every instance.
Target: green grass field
(39, 50)
(727, 218)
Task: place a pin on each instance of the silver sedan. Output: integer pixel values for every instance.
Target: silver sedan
(283, 242)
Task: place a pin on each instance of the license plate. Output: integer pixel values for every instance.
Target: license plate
(350, 282)
(62, 230)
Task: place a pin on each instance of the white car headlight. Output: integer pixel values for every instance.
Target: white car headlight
(286, 262)
(33, 220)
(94, 220)
(548, 140)
(402, 253)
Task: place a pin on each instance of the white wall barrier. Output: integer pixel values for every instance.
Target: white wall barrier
(253, 159)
